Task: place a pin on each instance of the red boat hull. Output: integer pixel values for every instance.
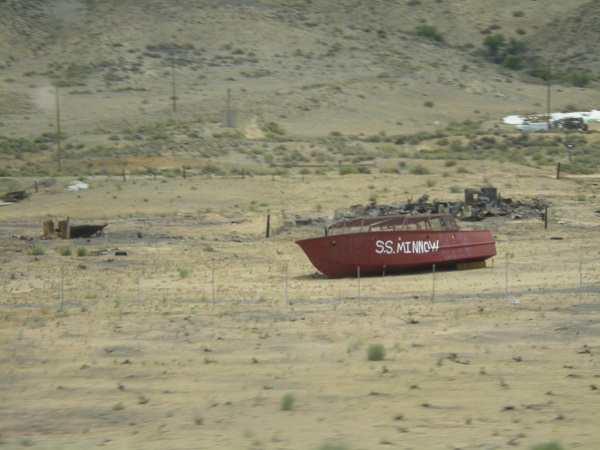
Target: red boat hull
(383, 252)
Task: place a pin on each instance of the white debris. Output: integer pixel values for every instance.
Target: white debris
(76, 186)
(587, 116)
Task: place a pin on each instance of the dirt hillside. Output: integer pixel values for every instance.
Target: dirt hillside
(313, 67)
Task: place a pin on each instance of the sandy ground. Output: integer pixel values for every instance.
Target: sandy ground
(195, 337)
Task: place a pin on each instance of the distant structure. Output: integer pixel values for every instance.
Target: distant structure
(229, 116)
(539, 121)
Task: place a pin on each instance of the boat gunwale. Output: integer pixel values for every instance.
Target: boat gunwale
(367, 224)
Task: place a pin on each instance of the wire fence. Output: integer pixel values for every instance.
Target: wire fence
(225, 282)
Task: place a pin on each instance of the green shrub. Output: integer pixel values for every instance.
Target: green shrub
(353, 346)
(429, 32)
(578, 79)
(66, 251)
(514, 62)
(494, 42)
(272, 128)
(348, 170)
(419, 170)
(376, 352)
(287, 402)
(211, 169)
(38, 250)
(82, 251)
(576, 169)
(539, 69)
(547, 446)
(184, 273)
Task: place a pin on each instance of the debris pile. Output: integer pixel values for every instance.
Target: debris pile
(477, 205)
(66, 230)
(16, 196)
(76, 186)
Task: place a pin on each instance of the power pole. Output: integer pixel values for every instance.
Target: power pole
(58, 148)
(549, 90)
(174, 97)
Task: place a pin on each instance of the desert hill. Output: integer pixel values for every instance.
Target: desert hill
(312, 67)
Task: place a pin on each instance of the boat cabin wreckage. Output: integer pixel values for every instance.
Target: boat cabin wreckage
(430, 222)
(65, 229)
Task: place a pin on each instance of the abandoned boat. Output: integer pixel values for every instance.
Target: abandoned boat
(390, 244)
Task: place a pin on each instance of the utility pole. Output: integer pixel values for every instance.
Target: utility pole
(58, 148)
(174, 97)
(548, 93)
(229, 121)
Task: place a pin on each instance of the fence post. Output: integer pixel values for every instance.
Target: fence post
(433, 287)
(286, 285)
(358, 282)
(506, 280)
(580, 276)
(213, 282)
(62, 288)
(268, 225)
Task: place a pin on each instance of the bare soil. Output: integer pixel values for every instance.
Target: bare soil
(193, 339)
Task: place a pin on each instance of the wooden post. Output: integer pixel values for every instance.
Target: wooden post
(286, 285)
(580, 276)
(268, 225)
(558, 171)
(546, 218)
(433, 285)
(173, 86)
(123, 175)
(358, 282)
(213, 282)
(58, 147)
(62, 288)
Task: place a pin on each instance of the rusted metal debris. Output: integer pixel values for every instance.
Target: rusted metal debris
(66, 230)
(477, 205)
(15, 196)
